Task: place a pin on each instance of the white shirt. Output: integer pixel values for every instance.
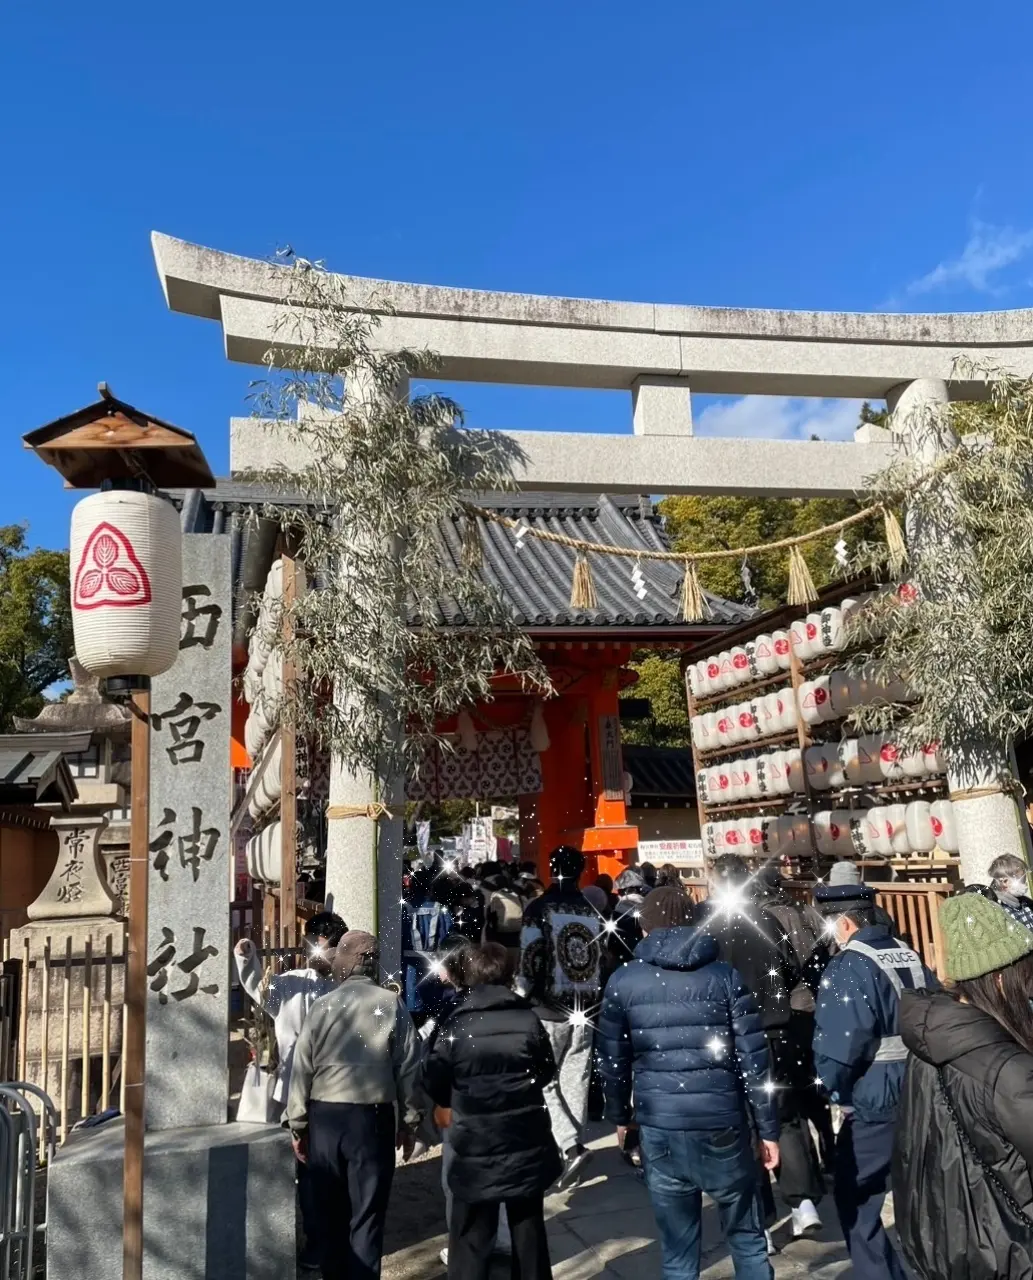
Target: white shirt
(288, 999)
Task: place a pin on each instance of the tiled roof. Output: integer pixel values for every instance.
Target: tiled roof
(535, 578)
(659, 773)
(33, 776)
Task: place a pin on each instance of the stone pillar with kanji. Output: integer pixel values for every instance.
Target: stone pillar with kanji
(189, 879)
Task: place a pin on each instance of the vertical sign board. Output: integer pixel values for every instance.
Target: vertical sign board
(188, 926)
(612, 760)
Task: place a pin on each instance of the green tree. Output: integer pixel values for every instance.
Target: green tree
(35, 624)
(712, 524)
(659, 680)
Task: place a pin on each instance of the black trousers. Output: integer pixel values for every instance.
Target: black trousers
(351, 1153)
(799, 1172)
(471, 1239)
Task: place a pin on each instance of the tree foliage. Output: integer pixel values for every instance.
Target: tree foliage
(382, 475)
(659, 680)
(35, 624)
(716, 523)
(960, 631)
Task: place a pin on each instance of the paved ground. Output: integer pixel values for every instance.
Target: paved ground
(604, 1228)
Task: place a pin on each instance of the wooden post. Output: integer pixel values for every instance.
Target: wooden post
(288, 765)
(136, 988)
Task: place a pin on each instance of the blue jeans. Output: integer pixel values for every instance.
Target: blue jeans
(680, 1167)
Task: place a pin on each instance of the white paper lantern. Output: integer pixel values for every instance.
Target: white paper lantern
(126, 568)
(812, 626)
(740, 664)
(786, 702)
(880, 831)
(726, 679)
(839, 692)
(726, 728)
(783, 649)
(817, 762)
(803, 647)
(778, 771)
(832, 832)
(934, 761)
(764, 708)
(734, 839)
(889, 761)
(764, 655)
(770, 844)
(858, 833)
(753, 834)
(869, 748)
(833, 636)
(794, 769)
(713, 665)
(944, 827)
(749, 724)
(850, 758)
(920, 834)
(896, 816)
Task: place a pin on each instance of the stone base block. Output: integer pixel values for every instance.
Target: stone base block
(218, 1205)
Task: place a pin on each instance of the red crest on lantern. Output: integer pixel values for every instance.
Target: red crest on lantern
(110, 572)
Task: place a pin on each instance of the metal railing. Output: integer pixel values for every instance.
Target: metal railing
(27, 1143)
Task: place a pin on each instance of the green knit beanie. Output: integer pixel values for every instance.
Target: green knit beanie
(980, 937)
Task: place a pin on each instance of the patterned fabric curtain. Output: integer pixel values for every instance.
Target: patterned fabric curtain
(503, 765)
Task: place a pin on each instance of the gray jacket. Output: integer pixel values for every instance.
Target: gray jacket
(358, 1045)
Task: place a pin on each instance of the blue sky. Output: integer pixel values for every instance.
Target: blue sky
(806, 155)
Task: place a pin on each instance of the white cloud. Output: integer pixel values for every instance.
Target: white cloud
(780, 418)
(989, 250)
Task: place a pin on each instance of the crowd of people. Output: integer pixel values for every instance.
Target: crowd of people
(752, 1036)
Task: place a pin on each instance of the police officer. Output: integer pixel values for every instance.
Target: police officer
(860, 1059)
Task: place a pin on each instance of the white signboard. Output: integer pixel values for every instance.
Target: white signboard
(481, 840)
(683, 853)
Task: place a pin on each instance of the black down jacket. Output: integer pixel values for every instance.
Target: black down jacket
(489, 1061)
(684, 1029)
(754, 943)
(953, 1224)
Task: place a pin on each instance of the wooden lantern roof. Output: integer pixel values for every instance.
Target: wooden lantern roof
(112, 440)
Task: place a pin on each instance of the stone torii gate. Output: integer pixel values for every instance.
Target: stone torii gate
(658, 353)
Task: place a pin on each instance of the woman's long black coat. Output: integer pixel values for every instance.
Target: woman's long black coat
(953, 1224)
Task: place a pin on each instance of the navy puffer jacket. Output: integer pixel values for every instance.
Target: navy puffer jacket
(682, 1027)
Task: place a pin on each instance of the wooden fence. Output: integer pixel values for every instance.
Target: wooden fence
(63, 1024)
(915, 909)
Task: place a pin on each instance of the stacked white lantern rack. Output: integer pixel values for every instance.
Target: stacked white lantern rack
(778, 776)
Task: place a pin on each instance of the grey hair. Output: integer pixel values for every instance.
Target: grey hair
(1005, 867)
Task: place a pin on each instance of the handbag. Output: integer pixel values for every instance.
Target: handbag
(256, 1105)
(991, 1176)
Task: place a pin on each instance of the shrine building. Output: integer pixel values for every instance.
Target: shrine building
(570, 780)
